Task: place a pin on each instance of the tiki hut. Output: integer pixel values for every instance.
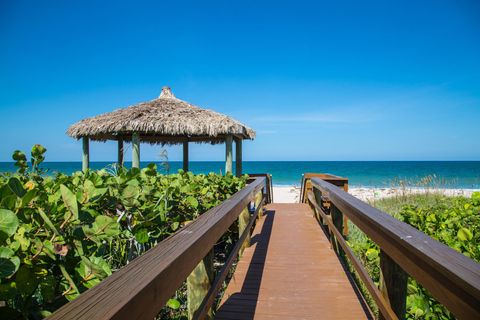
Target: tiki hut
(166, 120)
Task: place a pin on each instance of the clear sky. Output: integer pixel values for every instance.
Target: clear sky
(343, 80)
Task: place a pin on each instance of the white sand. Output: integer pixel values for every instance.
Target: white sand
(291, 194)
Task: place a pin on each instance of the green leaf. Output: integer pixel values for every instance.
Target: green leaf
(371, 254)
(173, 304)
(142, 236)
(175, 225)
(130, 192)
(8, 223)
(70, 201)
(16, 186)
(464, 234)
(192, 201)
(26, 280)
(103, 227)
(9, 263)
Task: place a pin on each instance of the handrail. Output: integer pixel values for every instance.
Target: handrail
(141, 289)
(451, 277)
(269, 189)
(333, 179)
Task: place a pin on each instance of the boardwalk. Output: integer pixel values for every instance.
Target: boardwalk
(290, 272)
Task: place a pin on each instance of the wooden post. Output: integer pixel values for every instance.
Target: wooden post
(258, 202)
(198, 284)
(337, 219)
(185, 156)
(86, 154)
(135, 150)
(345, 219)
(393, 284)
(238, 157)
(228, 154)
(120, 152)
(243, 220)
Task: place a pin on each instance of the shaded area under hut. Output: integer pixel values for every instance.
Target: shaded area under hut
(166, 120)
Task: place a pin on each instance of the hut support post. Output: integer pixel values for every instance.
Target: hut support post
(120, 152)
(238, 157)
(185, 156)
(135, 150)
(228, 154)
(86, 154)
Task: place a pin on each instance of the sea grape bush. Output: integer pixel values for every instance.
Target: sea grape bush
(63, 234)
(452, 221)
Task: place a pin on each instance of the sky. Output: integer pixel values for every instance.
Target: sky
(336, 80)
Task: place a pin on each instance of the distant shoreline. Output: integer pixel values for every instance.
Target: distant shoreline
(362, 174)
(291, 194)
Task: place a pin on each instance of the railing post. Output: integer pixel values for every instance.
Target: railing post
(337, 219)
(198, 285)
(243, 220)
(258, 202)
(393, 285)
(318, 198)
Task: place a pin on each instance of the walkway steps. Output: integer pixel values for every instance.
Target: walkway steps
(290, 272)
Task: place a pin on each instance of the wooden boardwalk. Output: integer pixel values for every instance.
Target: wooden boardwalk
(290, 272)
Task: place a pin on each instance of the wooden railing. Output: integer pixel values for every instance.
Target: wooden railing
(307, 183)
(269, 189)
(142, 288)
(450, 277)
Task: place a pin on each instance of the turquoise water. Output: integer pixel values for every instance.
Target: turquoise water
(449, 174)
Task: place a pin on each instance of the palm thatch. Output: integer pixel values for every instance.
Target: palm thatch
(165, 120)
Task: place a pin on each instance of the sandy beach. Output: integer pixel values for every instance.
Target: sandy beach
(291, 194)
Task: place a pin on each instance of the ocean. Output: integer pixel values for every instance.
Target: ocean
(443, 174)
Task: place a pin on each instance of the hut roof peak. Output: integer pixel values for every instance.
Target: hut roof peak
(166, 93)
(166, 119)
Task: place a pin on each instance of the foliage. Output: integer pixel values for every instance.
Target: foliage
(64, 234)
(454, 221)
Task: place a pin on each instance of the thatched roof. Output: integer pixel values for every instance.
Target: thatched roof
(166, 120)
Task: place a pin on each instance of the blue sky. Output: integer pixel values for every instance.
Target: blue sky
(344, 80)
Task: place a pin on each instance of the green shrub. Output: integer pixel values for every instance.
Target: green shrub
(454, 221)
(62, 235)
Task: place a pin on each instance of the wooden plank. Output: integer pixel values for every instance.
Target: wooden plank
(289, 272)
(383, 306)
(452, 278)
(393, 285)
(140, 289)
(198, 286)
(222, 274)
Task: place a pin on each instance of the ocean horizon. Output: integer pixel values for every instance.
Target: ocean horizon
(442, 174)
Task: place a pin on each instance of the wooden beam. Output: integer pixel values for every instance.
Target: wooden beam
(198, 286)
(120, 152)
(393, 285)
(451, 277)
(135, 150)
(238, 157)
(243, 222)
(185, 156)
(228, 154)
(86, 154)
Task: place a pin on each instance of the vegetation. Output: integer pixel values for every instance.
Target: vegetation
(60, 235)
(454, 221)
